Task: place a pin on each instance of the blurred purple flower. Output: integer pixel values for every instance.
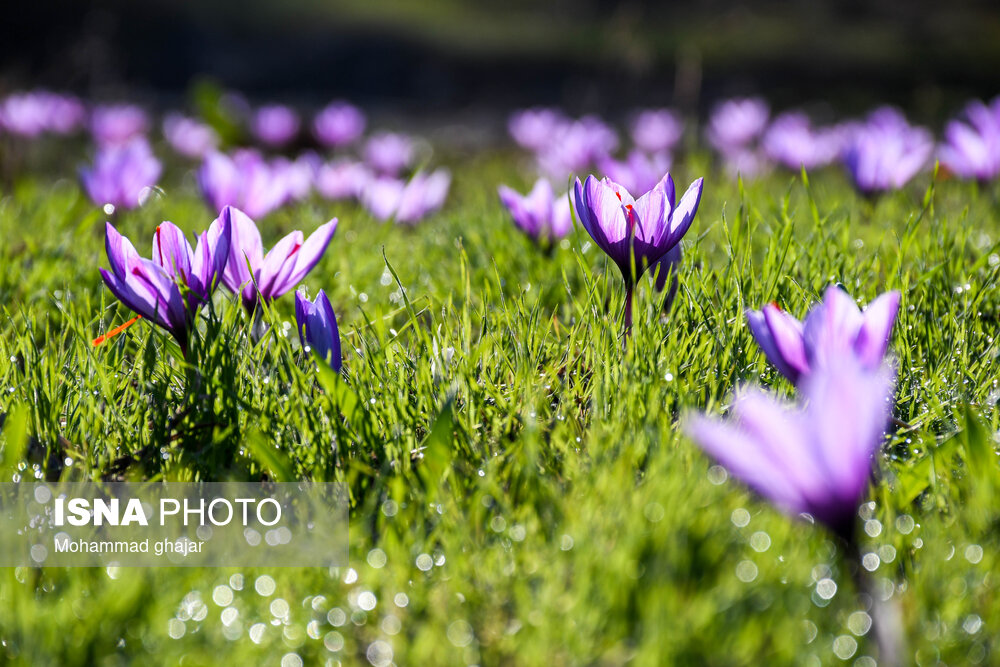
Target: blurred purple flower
(389, 153)
(736, 124)
(189, 137)
(574, 146)
(120, 173)
(533, 129)
(30, 114)
(972, 149)
(338, 124)
(244, 180)
(885, 152)
(317, 325)
(814, 458)
(117, 124)
(271, 275)
(297, 176)
(657, 130)
(833, 328)
(169, 289)
(275, 125)
(639, 172)
(381, 196)
(539, 214)
(410, 202)
(341, 179)
(793, 142)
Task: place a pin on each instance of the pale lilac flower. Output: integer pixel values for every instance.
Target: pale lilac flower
(885, 152)
(244, 180)
(317, 325)
(736, 124)
(342, 179)
(635, 233)
(118, 124)
(814, 458)
(30, 114)
(793, 142)
(120, 173)
(339, 124)
(533, 129)
(275, 125)
(833, 328)
(381, 196)
(657, 130)
(639, 172)
(423, 195)
(256, 276)
(539, 214)
(189, 137)
(389, 153)
(971, 149)
(169, 289)
(297, 176)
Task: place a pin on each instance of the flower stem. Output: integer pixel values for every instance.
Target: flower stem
(627, 324)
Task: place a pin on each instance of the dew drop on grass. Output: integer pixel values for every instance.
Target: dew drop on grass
(740, 517)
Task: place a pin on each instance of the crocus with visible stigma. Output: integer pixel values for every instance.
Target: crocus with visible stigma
(120, 173)
(635, 233)
(254, 275)
(834, 327)
(544, 217)
(317, 325)
(169, 289)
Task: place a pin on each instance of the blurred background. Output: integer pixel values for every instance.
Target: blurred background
(440, 59)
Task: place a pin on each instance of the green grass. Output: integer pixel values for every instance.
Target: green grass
(488, 419)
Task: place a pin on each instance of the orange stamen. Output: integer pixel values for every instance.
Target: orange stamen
(114, 332)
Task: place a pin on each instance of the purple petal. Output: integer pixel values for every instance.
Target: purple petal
(873, 337)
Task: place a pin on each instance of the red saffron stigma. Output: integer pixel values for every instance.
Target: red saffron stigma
(775, 305)
(114, 332)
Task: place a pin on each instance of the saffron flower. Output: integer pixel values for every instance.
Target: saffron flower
(836, 326)
(389, 153)
(407, 202)
(275, 125)
(317, 325)
(656, 130)
(169, 289)
(793, 142)
(244, 180)
(118, 124)
(539, 214)
(189, 137)
(338, 124)
(814, 458)
(533, 129)
(120, 173)
(341, 179)
(635, 233)
(971, 149)
(736, 124)
(33, 113)
(885, 152)
(270, 275)
(639, 172)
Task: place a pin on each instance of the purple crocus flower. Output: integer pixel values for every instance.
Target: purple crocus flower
(834, 327)
(342, 179)
(275, 125)
(169, 289)
(297, 176)
(32, 113)
(533, 129)
(736, 124)
(539, 214)
(639, 172)
(972, 149)
(244, 180)
(885, 152)
(120, 173)
(423, 195)
(268, 276)
(317, 325)
(389, 153)
(381, 196)
(635, 233)
(814, 458)
(189, 137)
(118, 124)
(338, 124)
(793, 142)
(656, 130)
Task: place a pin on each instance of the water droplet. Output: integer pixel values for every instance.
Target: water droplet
(740, 517)
(746, 571)
(845, 646)
(826, 588)
(859, 623)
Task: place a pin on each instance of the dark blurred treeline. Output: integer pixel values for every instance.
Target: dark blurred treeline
(446, 56)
